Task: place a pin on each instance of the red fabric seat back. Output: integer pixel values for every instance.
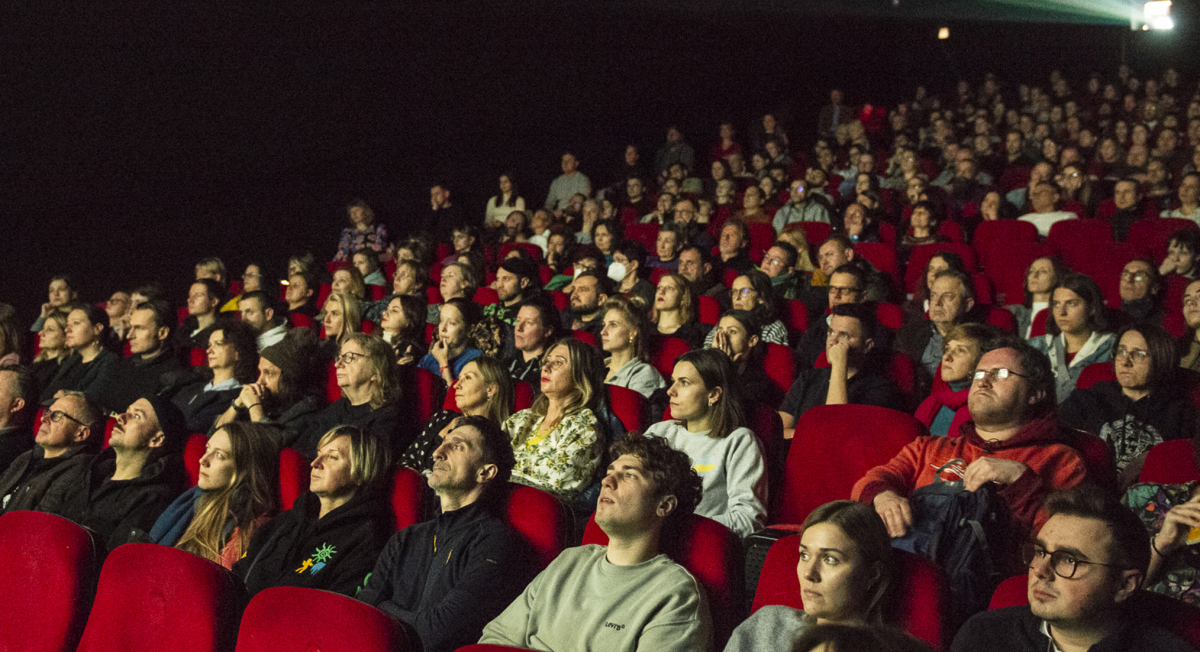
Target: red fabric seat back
(951, 230)
(984, 296)
(992, 233)
(1153, 234)
(1068, 236)
(780, 367)
(1007, 269)
(629, 406)
(47, 585)
(1000, 318)
(108, 430)
(918, 600)
(1039, 323)
(427, 393)
(794, 316)
(292, 618)
(814, 232)
(889, 315)
(1014, 177)
(883, 256)
(376, 292)
(730, 276)
(300, 320)
(332, 390)
(833, 447)
(153, 597)
(656, 275)
(543, 520)
(294, 472)
(664, 351)
(562, 300)
(712, 553)
(523, 395)
(533, 250)
(193, 450)
(647, 234)
(585, 337)
(407, 497)
(1095, 373)
(710, 310)
(198, 357)
(323, 294)
(1012, 592)
(919, 259)
(486, 296)
(762, 236)
(1170, 462)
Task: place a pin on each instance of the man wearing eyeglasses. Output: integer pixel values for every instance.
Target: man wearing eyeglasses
(1013, 440)
(846, 285)
(38, 479)
(1140, 292)
(1085, 567)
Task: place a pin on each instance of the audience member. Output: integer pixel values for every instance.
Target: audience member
(456, 343)
(739, 337)
(341, 318)
(117, 308)
(631, 583)
(845, 572)
(802, 206)
(347, 279)
(487, 563)
(236, 492)
(363, 233)
(458, 282)
(708, 422)
(537, 325)
(300, 297)
(853, 375)
(517, 279)
(1183, 254)
(204, 297)
(16, 393)
(1189, 344)
(151, 368)
(367, 264)
(847, 285)
(288, 390)
(952, 296)
(624, 339)
(261, 312)
(779, 264)
(674, 311)
(557, 441)
(1076, 332)
(734, 247)
(39, 479)
(568, 184)
(500, 206)
(752, 291)
(591, 290)
(60, 297)
(92, 361)
(333, 534)
(1140, 289)
(1041, 278)
(1085, 567)
(122, 491)
(1044, 208)
(671, 238)
(52, 352)
(1127, 198)
(627, 270)
(1013, 440)
(232, 361)
(695, 265)
(440, 218)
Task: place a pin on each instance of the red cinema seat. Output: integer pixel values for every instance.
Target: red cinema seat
(47, 585)
(543, 520)
(333, 391)
(1012, 592)
(193, 450)
(629, 406)
(300, 320)
(323, 294)
(428, 391)
(1007, 270)
(951, 230)
(1071, 237)
(294, 472)
(1095, 373)
(1153, 234)
(664, 351)
(486, 296)
(780, 366)
(181, 314)
(814, 232)
(153, 597)
(762, 236)
(887, 233)
(795, 316)
(522, 395)
(710, 310)
(585, 337)
(883, 256)
(656, 275)
(1170, 462)
(889, 315)
(562, 300)
(533, 250)
(833, 447)
(1000, 318)
(1014, 177)
(376, 292)
(993, 234)
(433, 295)
(292, 618)
(108, 429)
(712, 553)
(919, 258)
(408, 490)
(919, 598)
(647, 234)
(982, 285)
(430, 331)
(1039, 323)
(730, 276)
(198, 357)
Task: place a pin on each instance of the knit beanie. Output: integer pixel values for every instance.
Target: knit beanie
(289, 353)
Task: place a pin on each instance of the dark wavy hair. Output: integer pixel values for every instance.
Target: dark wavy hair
(245, 341)
(1086, 288)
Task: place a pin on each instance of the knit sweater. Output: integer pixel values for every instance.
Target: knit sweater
(732, 471)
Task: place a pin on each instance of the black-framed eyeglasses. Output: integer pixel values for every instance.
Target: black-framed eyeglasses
(1063, 563)
(1000, 374)
(56, 416)
(348, 357)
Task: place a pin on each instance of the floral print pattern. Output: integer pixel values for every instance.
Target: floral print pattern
(1151, 501)
(353, 240)
(565, 461)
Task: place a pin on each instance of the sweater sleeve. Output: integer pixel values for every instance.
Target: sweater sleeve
(898, 475)
(1024, 497)
(511, 627)
(683, 625)
(746, 485)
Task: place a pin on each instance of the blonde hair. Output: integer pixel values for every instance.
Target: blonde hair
(687, 303)
(59, 317)
(382, 359)
(500, 404)
(358, 287)
(631, 308)
(797, 239)
(587, 377)
(351, 316)
(369, 458)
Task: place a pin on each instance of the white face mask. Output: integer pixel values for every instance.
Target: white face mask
(617, 271)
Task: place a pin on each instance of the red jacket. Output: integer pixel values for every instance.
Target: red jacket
(1053, 465)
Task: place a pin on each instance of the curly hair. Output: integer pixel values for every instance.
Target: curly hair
(670, 469)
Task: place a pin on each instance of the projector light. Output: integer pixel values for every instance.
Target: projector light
(1157, 15)
(943, 33)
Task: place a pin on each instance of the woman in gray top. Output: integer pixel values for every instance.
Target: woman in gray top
(844, 571)
(623, 338)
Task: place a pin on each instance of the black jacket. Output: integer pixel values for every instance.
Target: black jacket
(201, 408)
(450, 576)
(73, 374)
(134, 378)
(120, 511)
(334, 553)
(35, 483)
(1129, 427)
(384, 423)
(867, 387)
(14, 441)
(1016, 629)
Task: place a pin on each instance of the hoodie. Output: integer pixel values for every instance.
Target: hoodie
(334, 553)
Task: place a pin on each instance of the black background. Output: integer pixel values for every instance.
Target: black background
(136, 139)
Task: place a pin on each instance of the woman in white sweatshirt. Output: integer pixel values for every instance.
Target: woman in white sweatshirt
(708, 423)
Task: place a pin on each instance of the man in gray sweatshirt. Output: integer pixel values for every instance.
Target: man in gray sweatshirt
(626, 595)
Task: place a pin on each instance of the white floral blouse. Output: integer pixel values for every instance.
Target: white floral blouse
(564, 461)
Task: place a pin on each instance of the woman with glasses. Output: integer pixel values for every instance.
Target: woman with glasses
(1076, 331)
(365, 371)
(752, 291)
(1139, 409)
(845, 572)
(557, 442)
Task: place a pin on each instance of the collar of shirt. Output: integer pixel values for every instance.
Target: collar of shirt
(1050, 645)
(232, 383)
